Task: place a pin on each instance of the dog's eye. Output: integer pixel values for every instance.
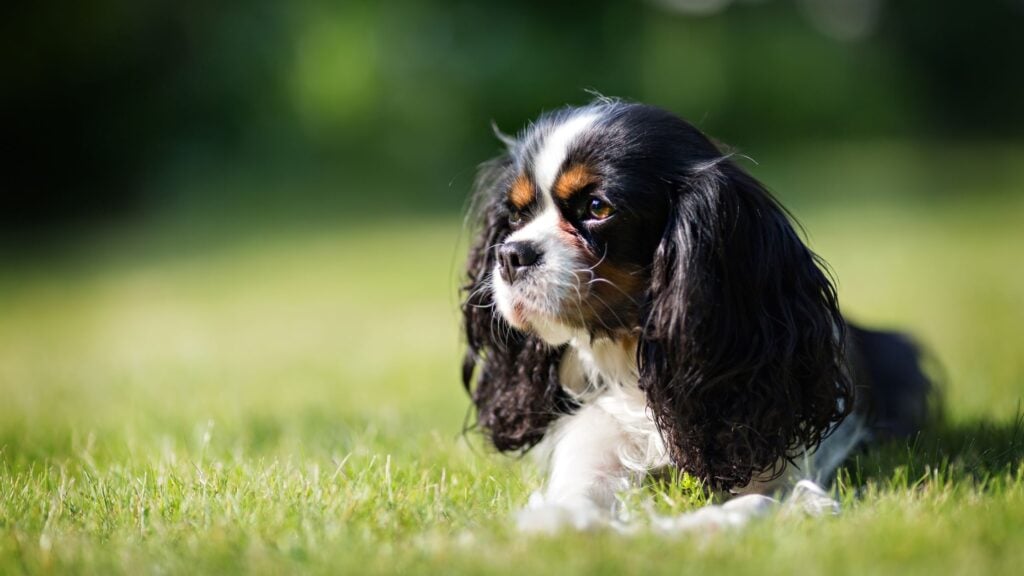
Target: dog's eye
(515, 217)
(599, 209)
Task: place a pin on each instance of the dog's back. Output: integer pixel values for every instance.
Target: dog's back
(897, 394)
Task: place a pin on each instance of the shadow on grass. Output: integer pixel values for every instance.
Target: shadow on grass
(977, 452)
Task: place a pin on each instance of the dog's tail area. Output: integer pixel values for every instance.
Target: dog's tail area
(900, 397)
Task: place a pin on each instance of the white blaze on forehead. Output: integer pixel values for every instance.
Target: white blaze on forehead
(542, 230)
(555, 148)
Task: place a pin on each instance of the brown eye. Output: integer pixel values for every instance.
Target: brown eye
(515, 217)
(599, 209)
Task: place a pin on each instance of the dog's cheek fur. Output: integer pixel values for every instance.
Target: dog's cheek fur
(616, 269)
(614, 295)
(608, 290)
(741, 352)
(511, 377)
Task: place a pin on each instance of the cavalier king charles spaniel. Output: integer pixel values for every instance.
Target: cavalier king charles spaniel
(636, 302)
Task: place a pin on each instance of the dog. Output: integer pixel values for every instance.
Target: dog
(635, 301)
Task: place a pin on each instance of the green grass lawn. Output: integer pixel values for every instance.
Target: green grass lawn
(290, 402)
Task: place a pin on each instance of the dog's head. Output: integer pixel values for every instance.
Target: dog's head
(622, 221)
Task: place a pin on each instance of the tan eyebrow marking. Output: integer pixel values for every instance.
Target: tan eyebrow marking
(573, 180)
(522, 192)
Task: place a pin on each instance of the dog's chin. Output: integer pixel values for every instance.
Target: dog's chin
(551, 330)
(548, 328)
(524, 315)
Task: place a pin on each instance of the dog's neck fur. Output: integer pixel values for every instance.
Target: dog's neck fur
(594, 364)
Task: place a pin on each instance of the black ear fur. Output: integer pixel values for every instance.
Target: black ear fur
(741, 354)
(517, 393)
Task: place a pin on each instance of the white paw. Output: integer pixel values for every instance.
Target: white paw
(812, 500)
(752, 505)
(544, 517)
(711, 518)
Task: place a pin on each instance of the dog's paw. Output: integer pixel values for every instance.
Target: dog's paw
(735, 513)
(812, 500)
(546, 517)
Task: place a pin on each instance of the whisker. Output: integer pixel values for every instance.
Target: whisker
(615, 286)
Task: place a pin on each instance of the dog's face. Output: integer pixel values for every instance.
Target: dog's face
(585, 215)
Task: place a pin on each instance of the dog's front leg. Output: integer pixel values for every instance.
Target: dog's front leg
(585, 474)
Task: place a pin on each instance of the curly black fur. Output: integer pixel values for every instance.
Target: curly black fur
(517, 393)
(742, 349)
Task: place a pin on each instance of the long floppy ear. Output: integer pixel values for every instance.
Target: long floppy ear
(517, 393)
(741, 354)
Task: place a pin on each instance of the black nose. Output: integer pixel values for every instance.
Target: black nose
(515, 258)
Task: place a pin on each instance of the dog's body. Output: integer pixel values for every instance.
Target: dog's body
(637, 301)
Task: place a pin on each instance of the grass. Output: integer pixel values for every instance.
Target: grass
(290, 403)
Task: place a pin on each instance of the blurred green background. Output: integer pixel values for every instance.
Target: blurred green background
(231, 112)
